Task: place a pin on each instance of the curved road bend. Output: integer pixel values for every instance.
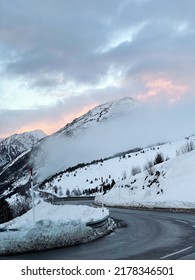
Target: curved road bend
(143, 235)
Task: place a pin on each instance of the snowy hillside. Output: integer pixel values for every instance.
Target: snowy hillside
(13, 146)
(171, 183)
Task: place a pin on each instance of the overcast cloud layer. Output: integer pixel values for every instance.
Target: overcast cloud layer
(59, 58)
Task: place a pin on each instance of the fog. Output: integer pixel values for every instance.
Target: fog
(140, 128)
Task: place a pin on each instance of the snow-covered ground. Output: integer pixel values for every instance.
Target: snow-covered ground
(172, 185)
(55, 226)
(116, 168)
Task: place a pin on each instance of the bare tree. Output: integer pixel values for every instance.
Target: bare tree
(149, 167)
(186, 148)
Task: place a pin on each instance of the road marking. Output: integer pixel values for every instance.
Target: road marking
(184, 222)
(175, 253)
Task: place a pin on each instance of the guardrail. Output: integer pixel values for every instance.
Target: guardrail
(98, 223)
(70, 198)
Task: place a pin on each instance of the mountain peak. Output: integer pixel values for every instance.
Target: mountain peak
(16, 144)
(122, 104)
(101, 113)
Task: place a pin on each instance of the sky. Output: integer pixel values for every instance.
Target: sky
(60, 58)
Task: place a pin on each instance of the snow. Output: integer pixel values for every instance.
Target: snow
(55, 226)
(90, 176)
(107, 111)
(65, 213)
(11, 147)
(172, 184)
(173, 188)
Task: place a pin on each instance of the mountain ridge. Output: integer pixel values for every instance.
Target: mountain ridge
(18, 172)
(11, 147)
(101, 113)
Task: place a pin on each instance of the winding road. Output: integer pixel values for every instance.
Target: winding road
(142, 235)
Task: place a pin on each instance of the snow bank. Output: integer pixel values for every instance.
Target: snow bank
(171, 186)
(56, 226)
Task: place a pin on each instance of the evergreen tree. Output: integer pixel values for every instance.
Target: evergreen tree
(5, 210)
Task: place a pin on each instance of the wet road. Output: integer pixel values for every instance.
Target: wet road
(141, 235)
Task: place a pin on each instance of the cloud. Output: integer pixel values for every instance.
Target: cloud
(92, 51)
(144, 126)
(52, 118)
(162, 87)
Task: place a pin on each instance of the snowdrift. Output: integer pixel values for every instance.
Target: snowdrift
(56, 226)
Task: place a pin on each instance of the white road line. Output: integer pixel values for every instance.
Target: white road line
(184, 222)
(175, 253)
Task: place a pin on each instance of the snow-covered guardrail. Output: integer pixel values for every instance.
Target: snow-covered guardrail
(102, 226)
(99, 223)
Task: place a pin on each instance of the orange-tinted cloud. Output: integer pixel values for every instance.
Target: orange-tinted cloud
(159, 88)
(51, 127)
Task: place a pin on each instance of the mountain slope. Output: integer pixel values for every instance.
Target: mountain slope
(100, 114)
(131, 187)
(59, 151)
(170, 186)
(13, 146)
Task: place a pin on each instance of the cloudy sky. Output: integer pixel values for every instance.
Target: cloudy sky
(60, 58)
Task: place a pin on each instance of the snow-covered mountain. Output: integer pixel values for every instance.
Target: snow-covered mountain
(11, 147)
(100, 114)
(68, 146)
(73, 158)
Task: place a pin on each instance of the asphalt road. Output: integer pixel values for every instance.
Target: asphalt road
(142, 235)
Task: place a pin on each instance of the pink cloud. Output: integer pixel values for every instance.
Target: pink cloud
(160, 87)
(51, 127)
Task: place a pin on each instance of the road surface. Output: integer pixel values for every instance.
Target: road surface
(142, 235)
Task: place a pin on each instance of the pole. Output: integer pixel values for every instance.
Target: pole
(32, 193)
(102, 195)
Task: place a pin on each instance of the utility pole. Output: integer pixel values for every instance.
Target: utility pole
(32, 194)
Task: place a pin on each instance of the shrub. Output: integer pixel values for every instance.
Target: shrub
(135, 170)
(67, 192)
(20, 205)
(159, 158)
(124, 175)
(60, 191)
(6, 213)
